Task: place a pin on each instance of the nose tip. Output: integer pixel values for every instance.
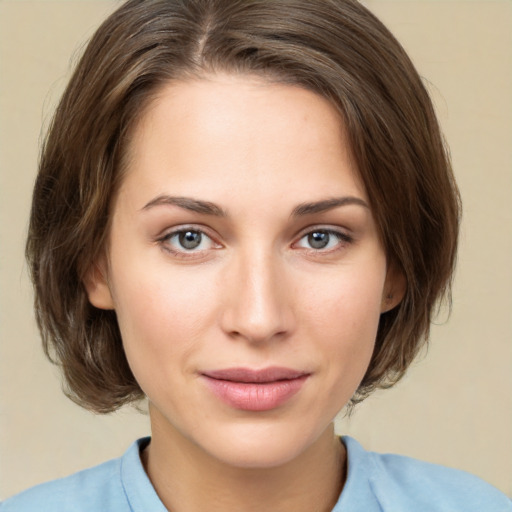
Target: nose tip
(256, 335)
(258, 308)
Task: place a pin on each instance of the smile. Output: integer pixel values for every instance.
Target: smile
(255, 390)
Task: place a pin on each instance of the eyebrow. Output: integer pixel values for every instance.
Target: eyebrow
(327, 204)
(208, 208)
(187, 203)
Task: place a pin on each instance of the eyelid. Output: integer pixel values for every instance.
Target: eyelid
(178, 228)
(170, 232)
(336, 230)
(342, 234)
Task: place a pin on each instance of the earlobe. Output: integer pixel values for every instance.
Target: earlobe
(394, 289)
(97, 286)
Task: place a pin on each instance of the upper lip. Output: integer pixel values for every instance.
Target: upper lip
(263, 375)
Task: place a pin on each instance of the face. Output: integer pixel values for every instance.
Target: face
(244, 267)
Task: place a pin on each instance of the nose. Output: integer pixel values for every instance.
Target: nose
(258, 303)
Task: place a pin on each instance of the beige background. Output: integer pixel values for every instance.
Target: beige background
(455, 405)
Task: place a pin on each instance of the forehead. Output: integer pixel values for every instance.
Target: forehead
(225, 132)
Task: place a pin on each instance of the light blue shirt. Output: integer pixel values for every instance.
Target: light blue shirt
(375, 483)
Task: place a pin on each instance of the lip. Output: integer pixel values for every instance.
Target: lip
(255, 390)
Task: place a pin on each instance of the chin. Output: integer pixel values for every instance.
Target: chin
(257, 455)
(261, 447)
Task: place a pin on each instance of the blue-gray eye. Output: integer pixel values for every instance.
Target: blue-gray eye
(319, 239)
(189, 239)
(322, 239)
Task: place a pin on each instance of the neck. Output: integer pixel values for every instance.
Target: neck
(189, 480)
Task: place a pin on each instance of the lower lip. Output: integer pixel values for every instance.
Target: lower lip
(249, 396)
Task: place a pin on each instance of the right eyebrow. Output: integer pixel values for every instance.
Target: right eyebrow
(187, 203)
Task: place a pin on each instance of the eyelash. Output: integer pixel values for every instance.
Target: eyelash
(164, 241)
(343, 239)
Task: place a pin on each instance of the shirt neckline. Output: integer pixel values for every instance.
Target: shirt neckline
(357, 494)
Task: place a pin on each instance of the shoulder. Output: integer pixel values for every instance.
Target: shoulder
(97, 488)
(402, 483)
(87, 490)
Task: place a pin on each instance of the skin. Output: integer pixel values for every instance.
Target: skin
(255, 293)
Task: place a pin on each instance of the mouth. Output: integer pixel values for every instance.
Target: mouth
(255, 390)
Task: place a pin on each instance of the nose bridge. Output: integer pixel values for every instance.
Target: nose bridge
(257, 308)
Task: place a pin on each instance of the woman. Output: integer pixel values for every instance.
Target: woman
(244, 212)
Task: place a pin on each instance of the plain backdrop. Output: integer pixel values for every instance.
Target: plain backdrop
(455, 405)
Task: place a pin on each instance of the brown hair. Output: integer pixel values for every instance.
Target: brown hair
(335, 48)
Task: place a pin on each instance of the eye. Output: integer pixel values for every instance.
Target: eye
(322, 240)
(187, 241)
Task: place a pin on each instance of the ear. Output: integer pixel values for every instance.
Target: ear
(394, 289)
(97, 286)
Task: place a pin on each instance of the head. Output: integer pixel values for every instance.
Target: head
(335, 49)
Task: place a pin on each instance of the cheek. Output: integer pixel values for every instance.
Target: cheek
(162, 316)
(348, 301)
(344, 319)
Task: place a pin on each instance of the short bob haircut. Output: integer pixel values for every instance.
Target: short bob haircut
(337, 49)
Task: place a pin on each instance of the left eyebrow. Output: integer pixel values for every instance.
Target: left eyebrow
(327, 204)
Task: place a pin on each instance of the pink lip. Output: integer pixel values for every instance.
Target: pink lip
(255, 390)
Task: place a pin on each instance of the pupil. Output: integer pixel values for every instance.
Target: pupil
(318, 239)
(190, 239)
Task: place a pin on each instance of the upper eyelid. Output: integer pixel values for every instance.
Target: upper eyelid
(169, 232)
(344, 235)
(185, 227)
(338, 230)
